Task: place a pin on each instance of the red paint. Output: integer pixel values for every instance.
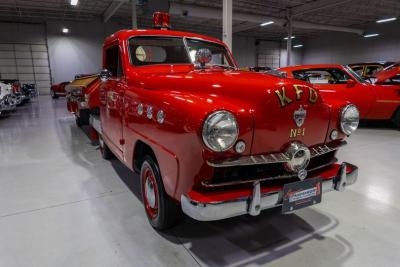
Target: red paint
(374, 101)
(187, 95)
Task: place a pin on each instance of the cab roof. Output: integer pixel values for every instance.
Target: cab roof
(126, 34)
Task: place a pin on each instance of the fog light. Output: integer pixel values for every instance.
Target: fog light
(334, 134)
(240, 147)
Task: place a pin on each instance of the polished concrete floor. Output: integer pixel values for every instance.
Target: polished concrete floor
(62, 205)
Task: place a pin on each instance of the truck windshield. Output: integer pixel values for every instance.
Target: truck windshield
(152, 50)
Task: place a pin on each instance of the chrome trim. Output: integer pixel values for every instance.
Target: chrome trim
(279, 177)
(273, 158)
(211, 211)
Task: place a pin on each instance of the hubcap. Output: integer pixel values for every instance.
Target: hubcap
(150, 194)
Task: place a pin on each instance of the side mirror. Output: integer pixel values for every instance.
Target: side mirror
(203, 56)
(350, 82)
(105, 75)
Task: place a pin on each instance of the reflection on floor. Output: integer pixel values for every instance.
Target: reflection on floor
(62, 205)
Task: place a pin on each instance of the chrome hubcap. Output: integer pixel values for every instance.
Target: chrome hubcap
(150, 193)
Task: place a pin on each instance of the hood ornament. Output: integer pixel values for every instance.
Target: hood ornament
(299, 116)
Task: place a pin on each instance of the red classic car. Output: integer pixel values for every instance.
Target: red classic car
(211, 140)
(57, 90)
(375, 102)
(83, 97)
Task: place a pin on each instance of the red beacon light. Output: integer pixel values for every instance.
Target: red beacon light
(161, 21)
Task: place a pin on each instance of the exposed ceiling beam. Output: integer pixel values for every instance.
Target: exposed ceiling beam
(215, 13)
(110, 11)
(316, 5)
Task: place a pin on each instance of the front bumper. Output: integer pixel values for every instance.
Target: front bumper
(203, 207)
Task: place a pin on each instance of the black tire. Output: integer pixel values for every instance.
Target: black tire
(104, 150)
(78, 121)
(53, 94)
(396, 119)
(165, 213)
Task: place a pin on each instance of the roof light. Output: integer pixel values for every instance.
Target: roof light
(287, 38)
(297, 46)
(161, 21)
(267, 23)
(65, 30)
(386, 20)
(371, 35)
(74, 2)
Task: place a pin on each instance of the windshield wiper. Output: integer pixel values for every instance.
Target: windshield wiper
(224, 66)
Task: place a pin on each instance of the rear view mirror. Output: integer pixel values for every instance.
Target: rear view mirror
(105, 75)
(350, 82)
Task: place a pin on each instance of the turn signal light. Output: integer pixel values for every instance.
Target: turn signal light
(161, 21)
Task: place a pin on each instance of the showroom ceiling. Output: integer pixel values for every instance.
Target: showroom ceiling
(344, 13)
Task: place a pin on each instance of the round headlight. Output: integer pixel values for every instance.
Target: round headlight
(220, 131)
(349, 120)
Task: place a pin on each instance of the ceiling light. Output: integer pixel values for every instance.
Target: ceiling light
(386, 20)
(371, 35)
(74, 2)
(297, 46)
(65, 30)
(287, 38)
(267, 23)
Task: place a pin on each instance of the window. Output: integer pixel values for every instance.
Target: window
(372, 70)
(358, 69)
(150, 50)
(145, 50)
(322, 76)
(220, 55)
(113, 61)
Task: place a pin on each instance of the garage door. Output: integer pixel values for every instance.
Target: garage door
(269, 55)
(29, 63)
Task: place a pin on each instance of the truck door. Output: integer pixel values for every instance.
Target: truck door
(113, 91)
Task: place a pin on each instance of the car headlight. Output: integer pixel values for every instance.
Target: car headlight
(220, 131)
(349, 120)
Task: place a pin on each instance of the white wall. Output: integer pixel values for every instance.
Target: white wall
(244, 51)
(79, 51)
(344, 48)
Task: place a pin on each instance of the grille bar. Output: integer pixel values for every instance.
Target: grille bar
(274, 157)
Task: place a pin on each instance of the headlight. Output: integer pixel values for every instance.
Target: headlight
(349, 120)
(220, 131)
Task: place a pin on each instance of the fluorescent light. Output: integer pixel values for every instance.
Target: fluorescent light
(65, 30)
(299, 45)
(267, 23)
(386, 20)
(74, 2)
(287, 38)
(371, 35)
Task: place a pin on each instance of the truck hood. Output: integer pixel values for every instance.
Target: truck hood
(274, 102)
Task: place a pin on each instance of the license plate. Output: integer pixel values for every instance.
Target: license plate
(301, 194)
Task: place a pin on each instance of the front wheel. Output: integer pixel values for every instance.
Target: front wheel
(396, 119)
(161, 210)
(104, 150)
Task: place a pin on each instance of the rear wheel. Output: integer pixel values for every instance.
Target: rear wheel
(396, 119)
(161, 210)
(104, 150)
(53, 94)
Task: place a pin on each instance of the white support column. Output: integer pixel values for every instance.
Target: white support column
(227, 22)
(134, 15)
(289, 40)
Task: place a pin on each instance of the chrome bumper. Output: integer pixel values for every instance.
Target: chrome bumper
(254, 204)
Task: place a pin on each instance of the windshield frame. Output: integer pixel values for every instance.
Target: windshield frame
(354, 74)
(184, 40)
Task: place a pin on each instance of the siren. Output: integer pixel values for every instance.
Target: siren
(161, 21)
